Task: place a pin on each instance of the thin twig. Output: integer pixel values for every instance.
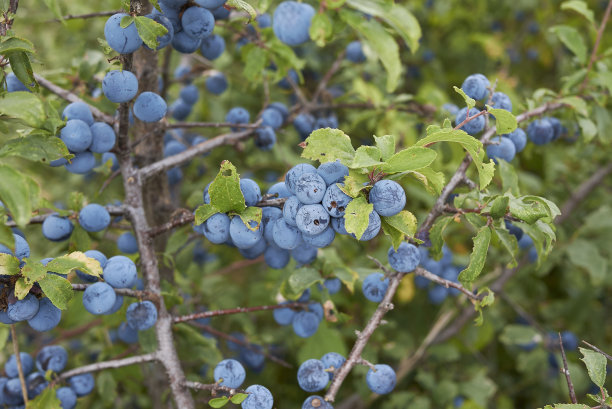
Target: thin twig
(113, 364)
(212, 387)
(85, 16)
(238, 310)
(594, 348)
(112, 210)
(600, 31)
(141, 295)
(187, 125)
(566, 372)
(24, 387)
(328, 76)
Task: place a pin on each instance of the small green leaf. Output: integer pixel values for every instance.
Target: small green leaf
(596, 366)
(22, 287)
(11, 44)
(218, 402)
(528, 210)
(15, 194)
(58, 289)
(410, 159)
(204, 212)
(509, 242)
(9, 265)
(328, 145)
(251, 214)
(577, 103)
(225, 193)
(238, 398)
(33, 270)
(255, 60)
(321, 29)
(579, 7)
(404, 221)
(588, 128)
(75, 261)
(20, 64)
(126, 21)
(470, 102)
(477, 258)
(357, 216)
(149, 31)
(515, 334)
(46, 400)
(303, 278)
(499, 206)
(505, 122)
(508, 177)
(23, 106)
(244, 6)
(354, 184)
(386, 145)
(366, 157)
(432, 180)
(79, 239)
(584, 254)
(35, 147)
(573, 40)
(435, 236)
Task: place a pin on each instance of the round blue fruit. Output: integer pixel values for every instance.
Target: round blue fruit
(310, 188)
(47, 317)
(259, 397)
(335, 201)
(333, 285)
(437, 294)
(230, 373)
(311, 375)
(216, 228)
(272, 117)
(120, 272)
(11, 392)
(109, 156)
(76, 135)
(27, 365)
(141, 315)
(237, 115)
(180, 110)
(13, 83)
(184, 43)
(304, 125)
(312, 219)
(52, 357)
(541, 131)
(291, 22)
(285, 236)
(304, 253)
(173, 148)
(120, 86)
(67, 397)
(217, 83)
(405, 259)
(316, 402)
(333, 172)
(265, 138)
(332, 360)
(166, 39)
(94, 218)
(212, 47)
(338, 224)
(305, 324)
(255, 251)
(292, 176)
(210, 4)
(373, 228)
(78, 110)
(283, 316)
(189, 94)
(354, 52)
(279, 190)
(475, 125)
(475, 86)
(322, 239)
(375, 287)
(127, 243)
(22, 310)
(103, 137)
(36, 383)
(82, 163)
(149, 107)
(281, 108)
(500, 100)
(250, 191)
(127, 334)
(388, 197)
(56, 228)
(381, 379)
(97, 255)
(123, 40)
(99, 298)
(82, 385)
(501, 148)
(518, 138)
(290, 209)
(242, 236)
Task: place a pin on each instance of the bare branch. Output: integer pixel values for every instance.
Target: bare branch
(141, 295)
(238, 310)
(117, 363)
(214, 387)
(328, 76)
(24, 388)
(70, 97)
(112, 210)
(86, 16)
(594, 348)
(566, 372)
(446, 283)
(187, 125)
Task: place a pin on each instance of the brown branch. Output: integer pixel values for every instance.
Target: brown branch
(238, 310)
(187, 125)
(469, 118)
(70, 97)
(328, 76)
(566, 372)
(141, 295)
(113, 364)
(24, 388)
(85, 16)
(298, 92)
(112, 210)
(213, 387)
(594, 348)
(239, 341)
(600, 31)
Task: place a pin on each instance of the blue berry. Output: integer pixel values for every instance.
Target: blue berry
(217, 83)
(67, 397)
(500, 100)
(310, 188)
(103, 137)
(189, 94)
(258, 397)
(541, 131)
(333, 285)
(305, 324)
(304, 253)
(52, 357)
(501, 148)
(230, 373)
(106, 156)
(405, 259)
(120, 272)
(11, 392)
(22, 310)
(451, 108)
(99, 298)
(437, 294)
(290, 209)
(127, 334)
(250, 191)
(212, 47)
(312, 219)
(335, 201)
(216, 228)
(285, 236)
(82, 385)
(173, 148)
(354, 52)
(332, 360)
(311, 375)
(338, 224)
(197, 22)
(292, 176)
(291, 75)
(78, 110)
(123, 40)
(304, 125)
(56, 228)
(291, 22)
(475, 125)
(120, 86)
(255, 251)
(210, 4)
(281, 108)
(242, 236)
(265, 138)
(166, 39)
(94, 218)
(47, 317)
(557, 127)
(284, 316)
(388, 197)
(237, 115)
(27, 365)
(514, 230)
(322, 239)
(373, 228)
(316, 402)
(141, 315)
(381, 380)
(149, 107)
(475, 86)
(272, 117)
(76, 135)
(375, 287)
(333, 172)
(126, 243)
(518, 138)
(36, 383)
(13, 84)
(569, 340)
(279, 189)
(82, 163)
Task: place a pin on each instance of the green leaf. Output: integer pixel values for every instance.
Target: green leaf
(382, 43)
(58, 289)
(15, 194)
(244, 6)
(35, 147)
(22, 287)
(515, 334)
(509, 242)
(528, 211)
(225, 193)
(303, 278)
(579, 7)
(12, 44)
(6, 235)
(394, 14)
(508, 177)
(505, 122)
(470, 102)
(404, 221)
(573, 40)
(23, 106)
(149, 31)
(584, 254)
(477, 258)
(126, 21)
(106, 386)
(204, 212)
(469, 143)
(255, 59)
(596, 366)
(588, 128)
(357, 216)
(432, 180)
(499, 207)
(33, 270)
(328, 145)
(354, 183)
(577, 103)
(20, 64)
(238, 398)
(46, 400)
(79, 240)
(321, 29)
(251, 214)
(410, 159)
(75, 261)
(218, 402)
(397, 237)
(9, 265)
(386, 145)
(435, 236)
(366, 157)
